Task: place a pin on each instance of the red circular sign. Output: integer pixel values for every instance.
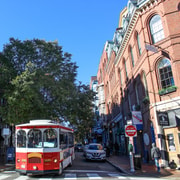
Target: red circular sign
(130, 130)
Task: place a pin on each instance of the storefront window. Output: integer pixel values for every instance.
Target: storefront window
(171, 145)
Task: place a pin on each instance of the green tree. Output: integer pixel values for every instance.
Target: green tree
(81, 111)
(42, 84)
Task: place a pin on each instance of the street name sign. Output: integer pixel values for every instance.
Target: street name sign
(130, 131)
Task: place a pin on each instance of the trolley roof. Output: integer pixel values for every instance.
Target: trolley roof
(42, 123)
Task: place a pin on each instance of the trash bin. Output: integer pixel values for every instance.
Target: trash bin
(10, 154)
(137, 161)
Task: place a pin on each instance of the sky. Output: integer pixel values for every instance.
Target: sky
(81, 27)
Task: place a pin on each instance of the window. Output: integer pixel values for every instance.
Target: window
(50, 138)
(34, 138)
(132, 57)
(145, 84)
(171, 145)
(165, 73)
(156, 29)
(120, 77)
(71, 139)
(139, 45)
(129, 101)
(101, 76)
(136, 91)
(125, 68)
(63, 140)
(21, 138)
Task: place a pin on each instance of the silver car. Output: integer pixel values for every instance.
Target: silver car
(95, 151)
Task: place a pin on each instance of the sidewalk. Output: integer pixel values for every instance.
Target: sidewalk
(7, 167)
(147, 169)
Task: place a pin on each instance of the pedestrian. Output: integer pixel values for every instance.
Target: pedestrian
(155, 155)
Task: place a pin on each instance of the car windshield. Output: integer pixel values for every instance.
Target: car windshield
(95, 147)
(79, 145)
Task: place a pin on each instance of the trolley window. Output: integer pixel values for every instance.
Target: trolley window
(71, 139)
(63, 140)
(21, 138)
(50, 138)
(34, 138)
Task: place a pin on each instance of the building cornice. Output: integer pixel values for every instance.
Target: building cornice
(140, 9)
(126, 36)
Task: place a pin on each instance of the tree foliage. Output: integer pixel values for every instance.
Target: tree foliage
(39, 81)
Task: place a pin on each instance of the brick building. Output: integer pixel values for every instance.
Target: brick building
(139, 72)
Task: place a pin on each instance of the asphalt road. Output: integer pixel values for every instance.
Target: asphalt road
(80, 163)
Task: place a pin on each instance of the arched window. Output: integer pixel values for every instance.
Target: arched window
(145, 84)
(101, 76)
(132, 56)
(136, 92)
(125, 69)
(129, 101)
(50, 138)
(156, 29)
(21, 139)
(165, 73)
(120, 77)
(34, 138)
(139, 44)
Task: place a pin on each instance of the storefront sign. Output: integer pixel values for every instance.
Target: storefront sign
(163, 118)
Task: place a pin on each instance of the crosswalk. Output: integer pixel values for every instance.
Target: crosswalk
(72, 176)
(65, 176)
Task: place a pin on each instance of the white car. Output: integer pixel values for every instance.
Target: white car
(95, 151)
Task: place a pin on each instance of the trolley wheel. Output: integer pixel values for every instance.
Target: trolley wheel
(60, 168)
(71, 162)
(22, 174)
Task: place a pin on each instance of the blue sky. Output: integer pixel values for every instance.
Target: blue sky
(81, 27)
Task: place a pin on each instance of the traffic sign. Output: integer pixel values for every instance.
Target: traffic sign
(130, 131)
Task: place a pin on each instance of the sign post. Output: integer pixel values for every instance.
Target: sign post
(131, 131)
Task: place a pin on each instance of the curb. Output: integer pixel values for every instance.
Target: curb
(8, 167)
(118, 168)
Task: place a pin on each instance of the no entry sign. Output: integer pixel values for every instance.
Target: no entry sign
(130, 131)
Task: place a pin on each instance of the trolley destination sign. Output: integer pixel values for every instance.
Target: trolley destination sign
(130, 131)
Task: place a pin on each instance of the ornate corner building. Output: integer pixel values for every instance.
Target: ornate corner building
(139, 79)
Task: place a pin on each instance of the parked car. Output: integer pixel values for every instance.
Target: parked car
(95, 151)
(78, 147)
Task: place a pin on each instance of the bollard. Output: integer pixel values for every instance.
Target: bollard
(131, 161)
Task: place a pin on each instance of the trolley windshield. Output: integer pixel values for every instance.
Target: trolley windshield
(37, 138)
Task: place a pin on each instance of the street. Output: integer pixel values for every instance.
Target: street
(81, 169)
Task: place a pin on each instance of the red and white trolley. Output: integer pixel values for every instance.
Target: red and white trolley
(43, 146)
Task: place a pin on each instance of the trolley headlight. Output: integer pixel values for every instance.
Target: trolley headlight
(18, 160)
(35, 167)
(55, 160)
